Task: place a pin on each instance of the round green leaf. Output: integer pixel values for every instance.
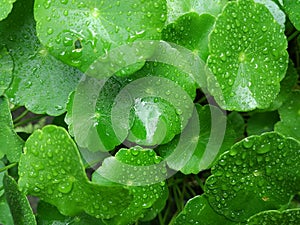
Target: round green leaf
(191, 31)
(286, 217)
(248, 57)
(10, 143)
(51, 168)
(258, 173)
(6, 68)
(213, 139)
(78, 32)
(40, 82)
(198, 211)
(177, 8)
(5, 8)
(18, 203)
(144, 196)
(289, 112)
(292, 9)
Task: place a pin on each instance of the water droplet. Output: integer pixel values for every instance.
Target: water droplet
(264, 148)
(50, 31)
(65, 187)
(248, 143)
(64, 2)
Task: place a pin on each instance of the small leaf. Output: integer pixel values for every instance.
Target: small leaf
(288, 217)
(191, 31)
(5, 214)
(198, 211)
(258, 173)
(259, 123)
(289, 112)
(177, 8)
(18, 203)
(5, 8)
(238, 124)
(79, 32)
(10, 143)
(209, 142)
(292, 9)
(143, 164)
(248, 57)
(51, 155)
(6, 68)
(40, 82)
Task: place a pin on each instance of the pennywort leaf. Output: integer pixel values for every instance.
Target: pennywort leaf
(5, 214)
(40, 82)
(292, 9)
(6, 66)
(258, 173)
(248, 57)
(51, 155)
(5, 8)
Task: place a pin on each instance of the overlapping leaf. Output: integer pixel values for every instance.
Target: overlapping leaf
(40, 82)
(292, 9)
(6, 68)
(198, 211)
(248, 57)
(257, 174)
(18, 203)
(5, 215)
(78, 32)
(259, 123)
(5, 8)
(10, 143)
(51, 156)
(211, 140)
(145, 196)
(289, 112)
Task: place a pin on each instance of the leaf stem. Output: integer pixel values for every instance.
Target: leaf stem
(8, 167)
(29, 120)
(21, 116)
(293, 35)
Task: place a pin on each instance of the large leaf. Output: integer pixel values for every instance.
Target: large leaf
(198, 211)
(51, 169)
(248, 57)
(274, 217)
(144, 195)
(210, 141)
(259, 173)
(78, 32)
(289, 112)
(18, 203)
(6, 66)
(292, 9)
(10, 143)
(40, 82)
(5, 8)
(177, 8)
(191, 31)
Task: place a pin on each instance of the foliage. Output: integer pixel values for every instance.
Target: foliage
(149, 112)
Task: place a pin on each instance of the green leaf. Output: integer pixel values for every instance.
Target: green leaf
(292, 9)
(259, 123)
(5, 8)
(49, 215)
(248, 57)
(198, 211)
(258, 173)
(5, 215)
(286, 217)
(274, 9)
(40, 82)
(145, 196)
(10, 143)
(177, 8)
(52, 156)
(210, 141)
(6, 66)
(18, 203)
(286, 86)
(78, 32)
(238, 124)
(289, 112)
(191, 31)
